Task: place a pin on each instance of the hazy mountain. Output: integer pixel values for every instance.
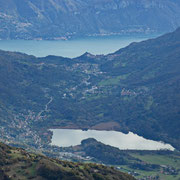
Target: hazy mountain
(49, 19)
(134, 89)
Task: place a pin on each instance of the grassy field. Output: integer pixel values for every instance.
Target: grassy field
(166, 162)
(171, 160)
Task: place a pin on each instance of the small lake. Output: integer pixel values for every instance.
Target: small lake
(71, 137)
(73, 47)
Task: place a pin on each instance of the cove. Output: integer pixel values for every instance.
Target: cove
(71, 137)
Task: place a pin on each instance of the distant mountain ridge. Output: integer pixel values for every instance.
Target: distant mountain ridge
(135, 89)
(54, 19)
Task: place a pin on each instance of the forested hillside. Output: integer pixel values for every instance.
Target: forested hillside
(134, 89)
(17, 164)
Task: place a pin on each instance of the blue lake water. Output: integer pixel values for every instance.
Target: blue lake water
(72, 48)
(71, 137)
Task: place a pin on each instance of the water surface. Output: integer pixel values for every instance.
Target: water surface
(71, 48)
(70, 137)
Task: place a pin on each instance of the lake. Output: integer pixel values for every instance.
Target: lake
(71, 137)
(72, 48)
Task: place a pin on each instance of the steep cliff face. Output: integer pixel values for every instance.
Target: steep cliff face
(51, 19)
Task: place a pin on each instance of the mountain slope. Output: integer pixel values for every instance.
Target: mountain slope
(51, 19)
(134, 89)
(152, 66)
(18, 164)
